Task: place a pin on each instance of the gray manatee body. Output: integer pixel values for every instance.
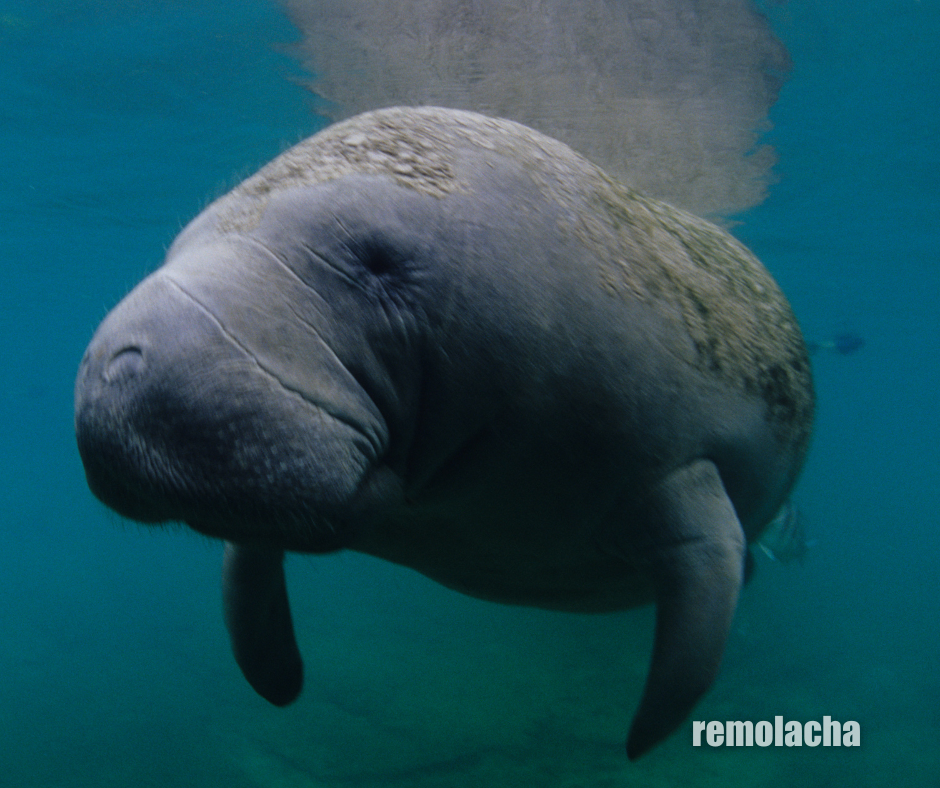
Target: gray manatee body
(453, 343)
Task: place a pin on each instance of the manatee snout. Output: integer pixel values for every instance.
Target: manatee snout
(128, 401)
(176, 421)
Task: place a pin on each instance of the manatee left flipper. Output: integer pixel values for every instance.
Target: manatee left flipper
(257, 615)
(698, 567)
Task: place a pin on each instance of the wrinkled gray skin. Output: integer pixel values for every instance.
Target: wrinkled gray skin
(451, 342)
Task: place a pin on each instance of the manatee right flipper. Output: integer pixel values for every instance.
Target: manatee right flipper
(257, 615)
(698, 565)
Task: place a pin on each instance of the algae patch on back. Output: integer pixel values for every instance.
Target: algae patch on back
(413, 148)
(738, 319)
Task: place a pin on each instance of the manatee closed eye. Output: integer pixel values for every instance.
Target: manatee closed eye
(453, 343)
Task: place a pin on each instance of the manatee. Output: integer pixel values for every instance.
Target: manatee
(453, 343)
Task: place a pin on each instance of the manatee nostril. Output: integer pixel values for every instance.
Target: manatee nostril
(126, 363)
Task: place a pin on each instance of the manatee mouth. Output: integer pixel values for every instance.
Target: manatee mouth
(132, 494)
(247, 470)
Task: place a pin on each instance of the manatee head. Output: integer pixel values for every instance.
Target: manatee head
(222, 392)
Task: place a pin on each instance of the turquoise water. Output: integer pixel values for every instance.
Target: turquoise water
(120, 121)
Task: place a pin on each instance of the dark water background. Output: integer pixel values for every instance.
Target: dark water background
(119, 121)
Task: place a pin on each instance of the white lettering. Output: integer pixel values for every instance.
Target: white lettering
(794, 737)
(850, 734)
(809, 729)
(763, 733)
(745, 733)
(714, 735)
(739, 733)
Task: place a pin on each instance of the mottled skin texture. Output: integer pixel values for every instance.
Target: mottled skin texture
(453, 343)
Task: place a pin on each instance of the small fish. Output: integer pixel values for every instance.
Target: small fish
(785, 539)
(843, 344)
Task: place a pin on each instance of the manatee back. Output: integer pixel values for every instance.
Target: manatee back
(549, 243)
(742, 330)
